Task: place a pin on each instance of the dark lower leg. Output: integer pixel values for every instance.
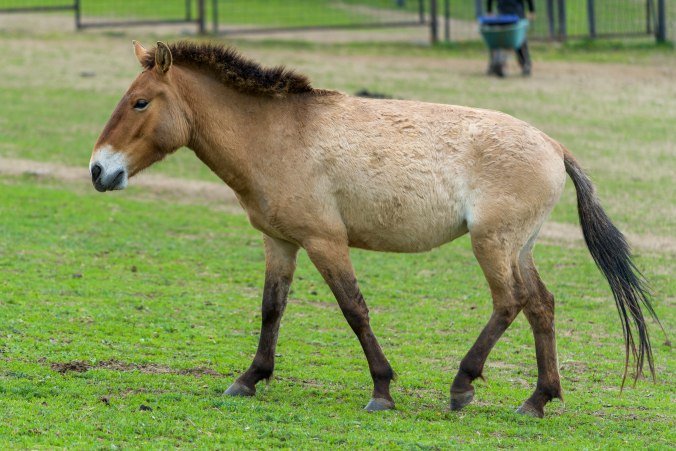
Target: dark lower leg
(356, 313)
(540, 315)
(332, 261)
(274, 302)
(501, 272)
(471, 366)
(496, 62)
(523, 56)
(280, 262)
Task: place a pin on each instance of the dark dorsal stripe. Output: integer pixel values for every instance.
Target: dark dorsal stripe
(235, 70)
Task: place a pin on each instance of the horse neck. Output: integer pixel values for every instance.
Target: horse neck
(229, 129)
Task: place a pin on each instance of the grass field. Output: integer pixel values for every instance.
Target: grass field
(124, 317)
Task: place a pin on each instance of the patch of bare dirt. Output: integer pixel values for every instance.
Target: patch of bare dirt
(220, 197)
(158, 186)
(557, 233)
(79, 366)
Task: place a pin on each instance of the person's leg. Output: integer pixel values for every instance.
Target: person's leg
(496, 63)
(523, 55)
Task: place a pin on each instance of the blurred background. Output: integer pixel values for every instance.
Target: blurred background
(434, 20)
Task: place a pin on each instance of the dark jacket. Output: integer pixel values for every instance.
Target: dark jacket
(516, 7)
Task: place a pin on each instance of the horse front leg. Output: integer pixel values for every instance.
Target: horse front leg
(333, 262)
(280, 263)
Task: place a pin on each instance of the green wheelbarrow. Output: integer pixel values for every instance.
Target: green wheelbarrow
(501, 33)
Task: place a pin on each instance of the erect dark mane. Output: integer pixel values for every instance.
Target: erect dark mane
(235, 70)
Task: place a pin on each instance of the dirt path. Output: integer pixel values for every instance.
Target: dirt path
(220, 197)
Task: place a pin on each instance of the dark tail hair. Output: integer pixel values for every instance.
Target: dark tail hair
(612, 255)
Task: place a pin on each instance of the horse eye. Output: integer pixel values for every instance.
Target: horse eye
(141, 105)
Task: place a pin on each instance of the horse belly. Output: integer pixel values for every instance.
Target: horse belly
(403, 220)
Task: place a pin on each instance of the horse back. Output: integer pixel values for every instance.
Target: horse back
(409, 176)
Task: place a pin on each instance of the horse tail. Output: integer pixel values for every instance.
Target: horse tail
(612, 255)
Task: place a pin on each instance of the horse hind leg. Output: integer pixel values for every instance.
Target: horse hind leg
(540, 314)
(499, 262)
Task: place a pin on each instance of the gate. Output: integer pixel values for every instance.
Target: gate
(112, 13)
(243, 16)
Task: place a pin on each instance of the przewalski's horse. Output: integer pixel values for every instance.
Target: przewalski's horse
(326, 171)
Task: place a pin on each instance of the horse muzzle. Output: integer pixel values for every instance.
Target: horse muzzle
(108, 170)
(108, 182)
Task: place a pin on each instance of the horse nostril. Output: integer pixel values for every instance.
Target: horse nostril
(119, 176)
(96, 172)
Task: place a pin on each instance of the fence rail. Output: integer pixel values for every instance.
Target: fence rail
(37, 9)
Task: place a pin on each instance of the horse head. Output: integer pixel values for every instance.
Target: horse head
(149, 122)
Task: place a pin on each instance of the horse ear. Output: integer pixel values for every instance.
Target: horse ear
(140, 52)
(162, 57)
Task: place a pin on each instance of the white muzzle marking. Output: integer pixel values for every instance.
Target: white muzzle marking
(108, 168)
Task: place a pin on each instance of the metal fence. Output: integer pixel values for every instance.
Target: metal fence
(27, 6)
(116, 13)
(450, 20)
(245, 16)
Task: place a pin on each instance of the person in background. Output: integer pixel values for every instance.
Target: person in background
(517, 8)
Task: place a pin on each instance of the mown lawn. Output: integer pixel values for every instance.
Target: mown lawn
(159, 302)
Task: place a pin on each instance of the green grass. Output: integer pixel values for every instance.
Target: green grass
(92, 277)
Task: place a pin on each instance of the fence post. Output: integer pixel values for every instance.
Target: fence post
(434, 29)
(78, 21)
(591, 18)
(201, 17)
(447, 20)
(478, 8)
(661, 32)
(214, 16)
(421, 11)
(563, 33)
(550, 18)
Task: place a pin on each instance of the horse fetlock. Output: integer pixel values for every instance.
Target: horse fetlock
(553, 392)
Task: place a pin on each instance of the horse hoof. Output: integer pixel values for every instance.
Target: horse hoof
(460, 400)
(376, 404)
(239, 389)
(527, 409)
